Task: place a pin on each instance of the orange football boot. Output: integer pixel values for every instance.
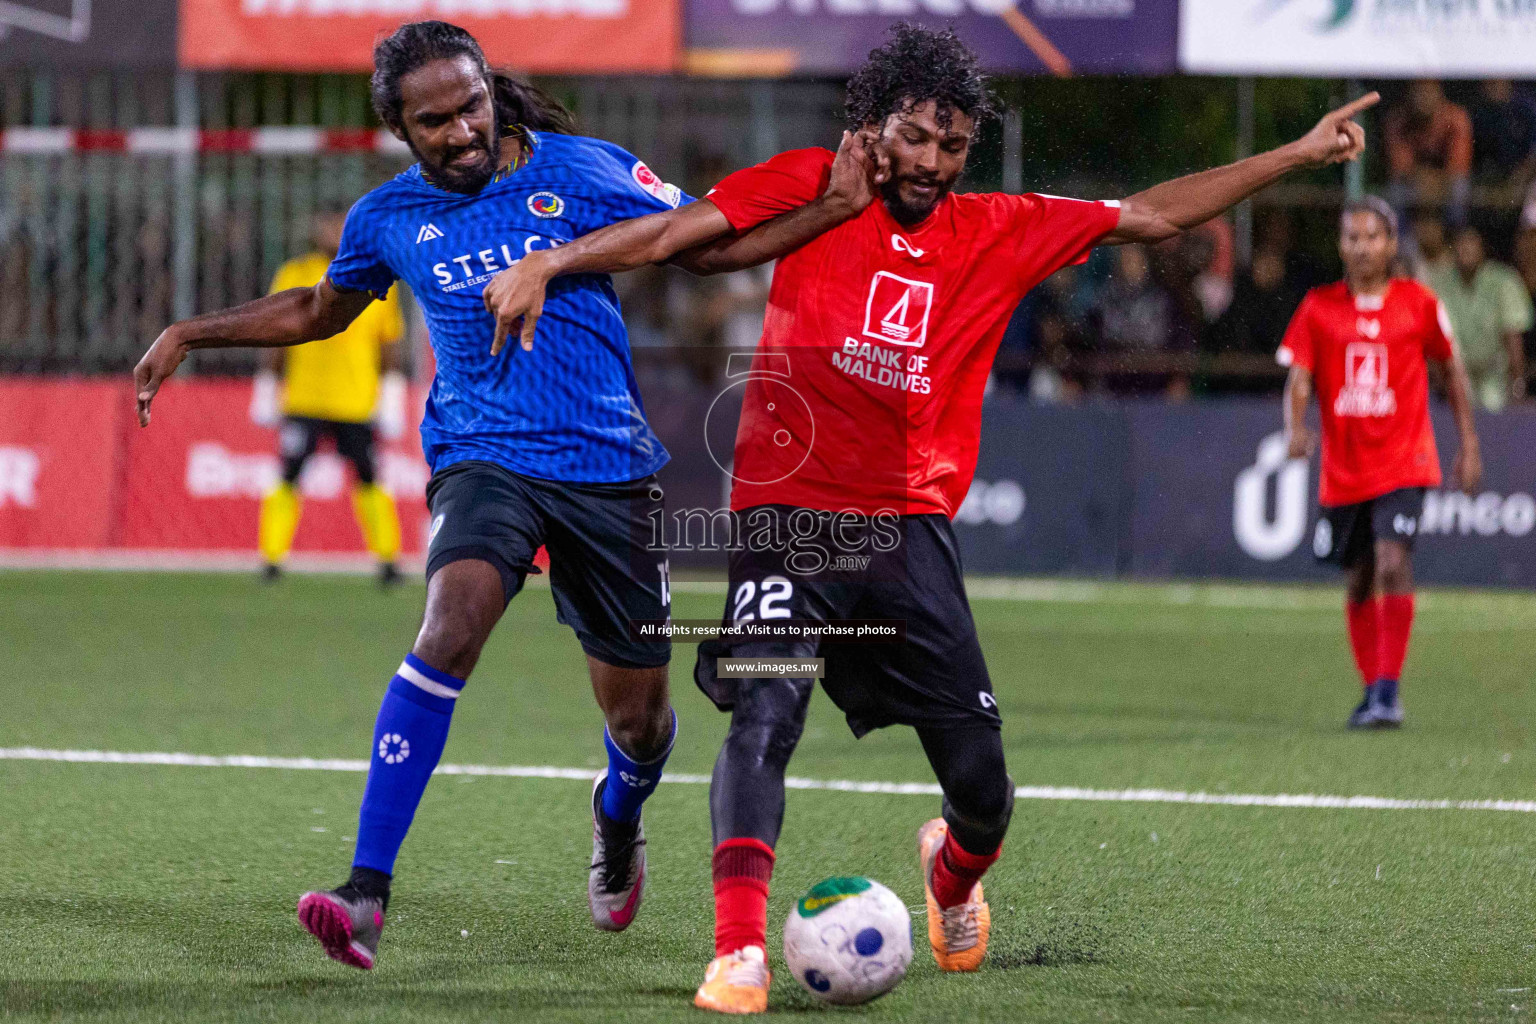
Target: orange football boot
(958, 935)
(736, 983)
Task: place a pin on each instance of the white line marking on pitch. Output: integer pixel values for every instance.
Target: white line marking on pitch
(1136, 796)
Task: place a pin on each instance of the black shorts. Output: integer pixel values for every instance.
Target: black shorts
(934, 677)
(300, 436)
(602, 569)
(1346, 535)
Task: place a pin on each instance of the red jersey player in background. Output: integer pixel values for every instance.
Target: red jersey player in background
(1363, 345)
(859, 438)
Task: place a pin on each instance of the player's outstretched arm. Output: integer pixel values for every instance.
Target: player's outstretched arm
(1467, 470)
(1164, 210)
(284, 318)
(515, 297)
(858, 171)
(1298, 392)
(517, 293)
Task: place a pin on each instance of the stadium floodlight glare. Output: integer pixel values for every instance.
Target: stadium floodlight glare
(74, 27)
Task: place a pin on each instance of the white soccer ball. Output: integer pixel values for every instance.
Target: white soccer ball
(848, 940)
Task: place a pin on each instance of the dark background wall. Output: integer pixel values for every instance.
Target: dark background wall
(1151, 490)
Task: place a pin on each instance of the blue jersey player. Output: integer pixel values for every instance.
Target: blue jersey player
(543, 445)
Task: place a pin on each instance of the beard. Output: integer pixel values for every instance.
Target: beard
(465, 180)
(909, 213)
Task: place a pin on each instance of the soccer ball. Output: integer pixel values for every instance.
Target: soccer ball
(848, 940)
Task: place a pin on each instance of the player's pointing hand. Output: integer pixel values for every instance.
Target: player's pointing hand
(158, 364)
(515, 297)
(1338, 137)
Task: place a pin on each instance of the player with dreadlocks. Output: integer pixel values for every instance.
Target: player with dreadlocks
(546, 447)
(857, 444)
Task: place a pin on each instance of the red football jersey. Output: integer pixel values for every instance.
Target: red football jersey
(865, 391)
(1367, 357)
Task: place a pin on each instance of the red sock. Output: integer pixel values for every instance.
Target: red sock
(1362, 619)
(741, 868)
(956, 872)
(1395, 625)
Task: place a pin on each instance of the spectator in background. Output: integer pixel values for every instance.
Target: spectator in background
(1212, 252)
(1139, 320)
(1185, 265)
(1525, 266)
(1263, 299)
(643, 296)
(740, 305)
(1275, 230)
(721, 312)
(1504, 135)
(1429, 152)
(1055, 323)
(657, 306)
(727, 313)
(1178, 265)
(1490, 312)
(1019, 363)
(1264, 296)
(1431, 252)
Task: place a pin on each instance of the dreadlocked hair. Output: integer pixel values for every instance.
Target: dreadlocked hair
(918, 64)
(414, 45)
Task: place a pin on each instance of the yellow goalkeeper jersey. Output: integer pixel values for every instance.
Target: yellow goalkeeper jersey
(338, 378)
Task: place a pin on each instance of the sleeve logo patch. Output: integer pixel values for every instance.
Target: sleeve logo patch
(648, 182)
(546, 205)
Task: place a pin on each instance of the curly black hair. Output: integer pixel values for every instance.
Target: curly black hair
(916, 65)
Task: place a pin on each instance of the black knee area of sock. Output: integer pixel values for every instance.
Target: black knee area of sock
(370, 883)
(978, 794)
(981, 832)
(768, 720)
(747, 792)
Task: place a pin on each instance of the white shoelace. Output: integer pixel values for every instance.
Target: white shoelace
(746, 972)
(960, 927)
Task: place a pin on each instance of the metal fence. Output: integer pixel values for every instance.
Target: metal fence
(100, 248)
(102, 243)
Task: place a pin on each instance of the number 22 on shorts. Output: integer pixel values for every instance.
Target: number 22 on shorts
(772, 596)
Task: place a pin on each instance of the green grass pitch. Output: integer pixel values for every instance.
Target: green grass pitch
(166, 893)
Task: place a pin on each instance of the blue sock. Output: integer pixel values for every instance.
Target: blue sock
(629, 782)
(408, 739)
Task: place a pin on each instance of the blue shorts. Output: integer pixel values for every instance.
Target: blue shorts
(603, 569)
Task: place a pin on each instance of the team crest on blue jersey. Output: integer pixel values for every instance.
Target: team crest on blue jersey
(545, 204)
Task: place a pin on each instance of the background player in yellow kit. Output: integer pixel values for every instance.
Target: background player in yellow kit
(343, 388)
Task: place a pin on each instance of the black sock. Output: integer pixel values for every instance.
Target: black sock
(369, 884)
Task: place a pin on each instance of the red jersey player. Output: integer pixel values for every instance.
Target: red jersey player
(858, 442)
(1363, 344)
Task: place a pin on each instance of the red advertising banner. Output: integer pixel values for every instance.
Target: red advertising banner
(78, 475)
(194, 479)
(536, 36)
(59, 455)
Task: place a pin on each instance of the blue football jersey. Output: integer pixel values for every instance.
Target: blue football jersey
(569, 409)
